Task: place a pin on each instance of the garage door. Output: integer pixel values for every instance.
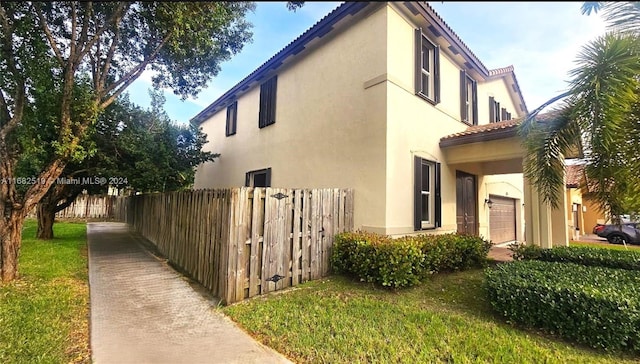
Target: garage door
(502, 219)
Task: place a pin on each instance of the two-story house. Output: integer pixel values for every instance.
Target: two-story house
(386, 99)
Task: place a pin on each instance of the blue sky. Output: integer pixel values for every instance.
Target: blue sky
(540, 39)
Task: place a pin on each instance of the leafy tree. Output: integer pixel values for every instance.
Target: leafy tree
(599, 114)
(85, 54)
(136, 149)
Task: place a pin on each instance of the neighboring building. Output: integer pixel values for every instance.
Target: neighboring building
(384, 98)
(582, 213)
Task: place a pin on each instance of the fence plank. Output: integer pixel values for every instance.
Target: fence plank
(256, 224)
(296, 236)
(306, 236)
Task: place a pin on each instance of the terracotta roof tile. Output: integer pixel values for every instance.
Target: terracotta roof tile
(486, 128)
(575, 175)
(501, 71)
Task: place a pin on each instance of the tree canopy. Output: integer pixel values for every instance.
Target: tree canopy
(63, 62)
(600, 114)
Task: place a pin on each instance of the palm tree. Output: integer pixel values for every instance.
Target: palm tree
(600, 114)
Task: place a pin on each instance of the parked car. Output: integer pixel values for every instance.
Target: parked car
(626, 233)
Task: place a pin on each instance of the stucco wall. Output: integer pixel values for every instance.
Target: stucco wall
(415, 126)
(347, 116)
(329, 130)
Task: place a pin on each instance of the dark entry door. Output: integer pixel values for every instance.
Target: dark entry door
(466, 203)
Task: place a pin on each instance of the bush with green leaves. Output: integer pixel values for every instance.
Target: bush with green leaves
(595, 306)
(404, 261)
(580, 255)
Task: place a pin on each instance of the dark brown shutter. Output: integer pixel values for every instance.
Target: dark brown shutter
(438, 199)
(263, 106)
(418, 68)
(436, 71)
(232, 117)
(267, 113)
(492, 109)
(463, 96)
(475, 103)
(247, 179)
(417, 193)
(272, 99)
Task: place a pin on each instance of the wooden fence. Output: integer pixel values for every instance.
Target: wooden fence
(242, 242)
(86, 207)
(89, 207)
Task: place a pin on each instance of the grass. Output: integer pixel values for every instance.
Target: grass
(446, 319)
(44, 314)
(604, 245)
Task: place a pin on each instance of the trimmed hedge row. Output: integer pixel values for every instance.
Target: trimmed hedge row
(596, 306)
(580, 255)
(403, 262)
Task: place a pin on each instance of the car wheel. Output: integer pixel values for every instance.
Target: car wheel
(616, 239)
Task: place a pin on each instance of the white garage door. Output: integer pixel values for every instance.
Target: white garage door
(502, 219)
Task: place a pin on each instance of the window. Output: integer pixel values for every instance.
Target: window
(267, 113)
(468, 99)
(427, 209)
(258, 178)
(505, 115)
(427, 69)
(494, 110)
(232, 118)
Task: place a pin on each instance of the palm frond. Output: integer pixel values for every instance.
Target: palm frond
(547, 139)
(621, 16)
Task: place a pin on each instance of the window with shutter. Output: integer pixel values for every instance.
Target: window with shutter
(427, 203)
(468, 99)
(232, 119)
(427, 68)
(267, 113)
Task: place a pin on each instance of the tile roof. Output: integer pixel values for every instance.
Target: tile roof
(504, 128)
(575, 175)
(501, 71)
(319, 29)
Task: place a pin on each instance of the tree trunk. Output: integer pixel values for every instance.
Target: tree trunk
(46, 214)
(10, 241)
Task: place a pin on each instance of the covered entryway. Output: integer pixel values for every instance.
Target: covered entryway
(502, 219)
(496, 148)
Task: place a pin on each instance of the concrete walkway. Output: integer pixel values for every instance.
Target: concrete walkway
(143, 311)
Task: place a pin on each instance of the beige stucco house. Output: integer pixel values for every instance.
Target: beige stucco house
(386, 99)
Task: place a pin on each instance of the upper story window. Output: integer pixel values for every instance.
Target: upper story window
(232, 119)
(497, 113)
(505, 114)
(468, 99)
(427, 202)
(427, 68)
(267, 113)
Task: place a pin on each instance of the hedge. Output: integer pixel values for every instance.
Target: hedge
(580, 255)
(405, 261)
(595, 306)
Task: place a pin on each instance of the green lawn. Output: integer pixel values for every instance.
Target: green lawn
(604, 245)
(44, 314)
(446, 319)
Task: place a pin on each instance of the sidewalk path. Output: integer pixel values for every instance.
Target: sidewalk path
(143, 311)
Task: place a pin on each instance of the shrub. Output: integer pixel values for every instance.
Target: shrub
(523, 251)
(596, 306)
(581, 255)
(403, 262)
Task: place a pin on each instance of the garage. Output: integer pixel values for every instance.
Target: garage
(502, 219)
